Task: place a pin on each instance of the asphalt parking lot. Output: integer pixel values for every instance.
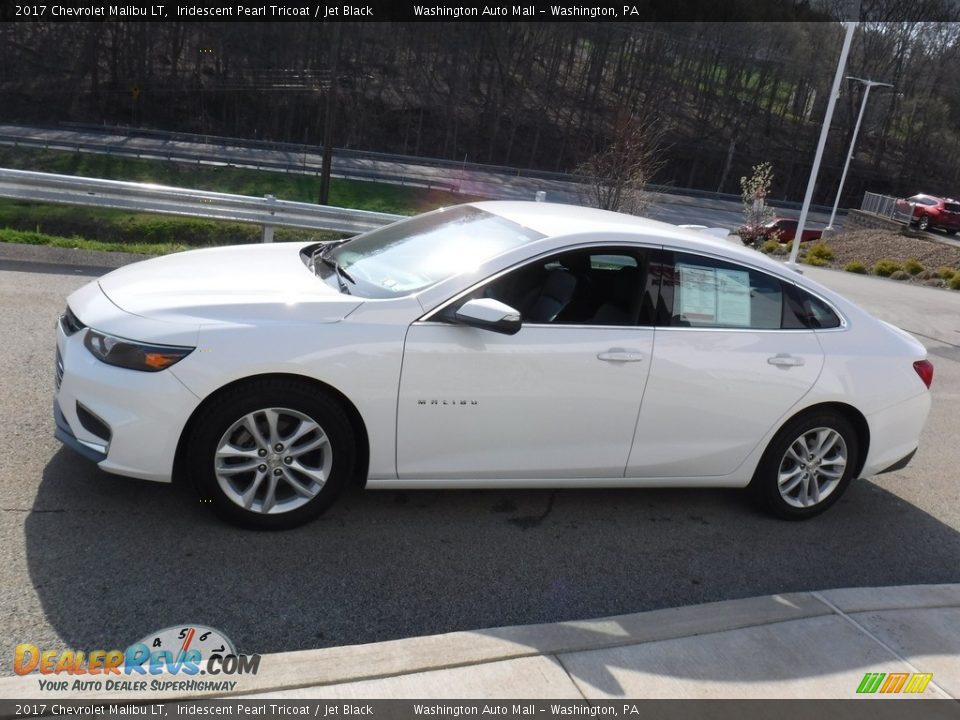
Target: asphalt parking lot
(92, 561)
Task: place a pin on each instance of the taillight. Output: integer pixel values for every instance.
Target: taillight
(924, 369)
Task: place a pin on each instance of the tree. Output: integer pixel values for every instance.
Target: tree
(616, 178)
(756, 212)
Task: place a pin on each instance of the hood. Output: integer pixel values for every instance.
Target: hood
(240, 283)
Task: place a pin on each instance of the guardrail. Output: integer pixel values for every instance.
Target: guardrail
(298, 158)
(455, 166)
(267, 212)
(296, 161)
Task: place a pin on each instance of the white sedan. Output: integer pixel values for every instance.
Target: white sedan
(489, 345)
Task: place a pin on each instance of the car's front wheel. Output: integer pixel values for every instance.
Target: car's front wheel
(807, 466)
(271, 454)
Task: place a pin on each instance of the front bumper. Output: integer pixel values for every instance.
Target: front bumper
(139, 416)
(64, 434)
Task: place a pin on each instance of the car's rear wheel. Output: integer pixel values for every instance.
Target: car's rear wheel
(924, 222)
(952, 232)
(272, 454)
(807, 466)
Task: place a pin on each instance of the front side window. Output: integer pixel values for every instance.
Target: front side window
(590, 286)
(411, 255)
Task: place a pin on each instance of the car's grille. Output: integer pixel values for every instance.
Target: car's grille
(70, 322)
(58, 371)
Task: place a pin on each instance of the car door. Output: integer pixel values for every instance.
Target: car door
(732, 358)
(558, 399)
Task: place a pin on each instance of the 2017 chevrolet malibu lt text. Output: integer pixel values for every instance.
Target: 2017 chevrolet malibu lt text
(489, 345)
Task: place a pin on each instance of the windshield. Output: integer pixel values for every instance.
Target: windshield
(414, 254)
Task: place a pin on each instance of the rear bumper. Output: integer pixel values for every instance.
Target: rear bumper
(899, 464)
(895, 435)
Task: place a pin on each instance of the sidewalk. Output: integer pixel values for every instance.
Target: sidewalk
(801, 645)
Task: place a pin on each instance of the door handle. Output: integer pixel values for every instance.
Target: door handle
(620, 356)
(784, 360)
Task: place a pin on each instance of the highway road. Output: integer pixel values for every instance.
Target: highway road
(468, 180)
(92, 561)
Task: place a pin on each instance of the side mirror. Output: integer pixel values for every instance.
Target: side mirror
(489, 314)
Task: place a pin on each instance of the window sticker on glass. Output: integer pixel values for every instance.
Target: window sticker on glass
(733, 297)
(698, 293)
(714, 296)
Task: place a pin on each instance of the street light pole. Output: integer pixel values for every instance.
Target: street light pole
(824, 130)
(868, 84)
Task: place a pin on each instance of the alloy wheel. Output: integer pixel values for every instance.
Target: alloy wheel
(273, 460)
(812, 467)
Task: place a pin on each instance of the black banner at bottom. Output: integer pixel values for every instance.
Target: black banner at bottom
(860, 709)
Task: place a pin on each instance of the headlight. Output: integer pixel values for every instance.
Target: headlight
(133, 355)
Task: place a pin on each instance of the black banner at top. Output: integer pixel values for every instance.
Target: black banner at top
(623, 11)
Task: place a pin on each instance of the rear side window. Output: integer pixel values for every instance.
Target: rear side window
(704, 292)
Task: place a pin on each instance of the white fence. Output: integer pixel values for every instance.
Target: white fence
(886, 206)
(267, 212)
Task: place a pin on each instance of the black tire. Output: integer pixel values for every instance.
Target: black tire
(765, 485)
(290, 406)
(924, 222)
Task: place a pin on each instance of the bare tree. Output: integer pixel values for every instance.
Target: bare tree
(616, 177)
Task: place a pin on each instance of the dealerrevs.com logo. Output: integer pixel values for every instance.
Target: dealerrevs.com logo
(188, 651)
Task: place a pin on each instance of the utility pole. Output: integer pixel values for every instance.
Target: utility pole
(868, 84)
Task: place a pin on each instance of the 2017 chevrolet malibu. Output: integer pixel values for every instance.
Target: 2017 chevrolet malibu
(489, 345)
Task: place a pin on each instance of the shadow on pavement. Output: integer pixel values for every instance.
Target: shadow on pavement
(113, 559)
